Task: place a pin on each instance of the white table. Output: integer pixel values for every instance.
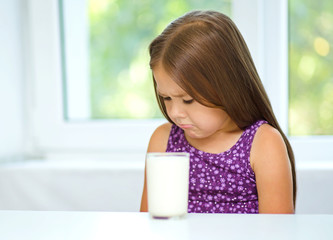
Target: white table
(46, 225)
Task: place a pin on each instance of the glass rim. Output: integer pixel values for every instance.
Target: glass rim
(164, 154)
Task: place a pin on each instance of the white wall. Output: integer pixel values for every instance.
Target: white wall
(11, 80)
(117, 186)
(71, 186)
(315, 192)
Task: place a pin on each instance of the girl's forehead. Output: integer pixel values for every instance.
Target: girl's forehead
(169, 89)
(165, 85)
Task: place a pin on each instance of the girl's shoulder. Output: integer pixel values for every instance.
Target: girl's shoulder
(159, 139)
(268, 144)
(267, 134)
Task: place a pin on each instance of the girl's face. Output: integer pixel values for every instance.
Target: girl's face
(197, 120)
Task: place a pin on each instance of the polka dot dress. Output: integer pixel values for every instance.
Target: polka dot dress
(220, 183)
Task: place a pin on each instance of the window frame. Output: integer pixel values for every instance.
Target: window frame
(264, 28)
(52, 134)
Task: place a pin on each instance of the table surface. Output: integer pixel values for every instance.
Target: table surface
(49, 225)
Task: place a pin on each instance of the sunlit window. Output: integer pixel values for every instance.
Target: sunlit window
(114, 79)
(310, 67)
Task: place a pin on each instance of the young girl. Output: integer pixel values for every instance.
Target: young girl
(208, 89)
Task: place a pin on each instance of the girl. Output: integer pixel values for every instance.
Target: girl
(208, 89)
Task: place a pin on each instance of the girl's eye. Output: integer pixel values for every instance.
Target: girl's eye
(166, 98)
(188, 101)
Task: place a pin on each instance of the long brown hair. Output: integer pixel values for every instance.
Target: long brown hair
(206, 55)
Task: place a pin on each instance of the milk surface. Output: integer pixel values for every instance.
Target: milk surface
(167, 183)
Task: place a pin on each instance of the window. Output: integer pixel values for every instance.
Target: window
(105, 54)
(310, 61)
(310, 79)
(64, 121)
(71, 114)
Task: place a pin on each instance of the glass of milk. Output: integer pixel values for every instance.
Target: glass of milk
(167, 184)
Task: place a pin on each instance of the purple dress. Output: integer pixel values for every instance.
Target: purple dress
(220, 183)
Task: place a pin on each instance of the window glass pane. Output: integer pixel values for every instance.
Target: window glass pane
(119, 32)
(310, 67)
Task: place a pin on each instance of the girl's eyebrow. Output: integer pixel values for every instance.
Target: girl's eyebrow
(159, 93)
(175, 95)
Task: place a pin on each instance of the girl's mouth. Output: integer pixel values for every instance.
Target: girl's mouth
(185, 126)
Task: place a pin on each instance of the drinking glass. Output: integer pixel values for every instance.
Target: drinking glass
(167, 184)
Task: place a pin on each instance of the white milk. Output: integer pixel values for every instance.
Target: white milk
(167, 183)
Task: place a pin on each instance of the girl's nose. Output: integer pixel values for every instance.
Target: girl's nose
(176, 111)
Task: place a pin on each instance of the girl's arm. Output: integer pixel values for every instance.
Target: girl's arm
(270, 162)
(158, 143)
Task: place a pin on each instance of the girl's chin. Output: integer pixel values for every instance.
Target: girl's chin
(190, 133)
